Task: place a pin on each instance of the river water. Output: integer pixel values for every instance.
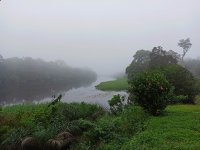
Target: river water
(90, 94)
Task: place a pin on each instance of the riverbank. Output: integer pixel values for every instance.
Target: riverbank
(120, 84)
(95, 128)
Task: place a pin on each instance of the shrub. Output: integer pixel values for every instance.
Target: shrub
(151, 90)
(133, 119)
(116, 104)
(75, 111)
(103, 130)
(77, 127)
(180, 99)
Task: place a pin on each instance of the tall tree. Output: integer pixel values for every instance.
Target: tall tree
(140, 62)
(185, 45)
(161, 58)
(145, 59)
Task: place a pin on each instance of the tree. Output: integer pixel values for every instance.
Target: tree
(140, 62)
(182, 80)
(151, 90)
(145, 60)
(185, 45)
(160, 58)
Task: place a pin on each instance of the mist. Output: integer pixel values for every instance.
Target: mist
(102, 35)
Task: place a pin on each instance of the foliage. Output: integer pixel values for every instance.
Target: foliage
(117, 129)
(83, 110)
(182, 81)
(116, 104)
(151, 91)
(180, 99)
(197, 100)
(130, 129)
(43, 122)
(160, 58)
(133, 119)
(119, 84)
(145, 60)
(140, 62)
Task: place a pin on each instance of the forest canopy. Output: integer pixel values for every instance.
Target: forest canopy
(34, 79)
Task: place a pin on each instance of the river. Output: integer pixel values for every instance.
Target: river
(90, 94)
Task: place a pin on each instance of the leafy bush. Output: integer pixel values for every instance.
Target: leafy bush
(110, 132)
(103, 130)
(116, 104)
(75, 111)
(180, 99)
(151, 90)
(77, 127)
(133, 119)
(16, 135)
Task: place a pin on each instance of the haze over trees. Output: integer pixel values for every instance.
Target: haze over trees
(34, 79)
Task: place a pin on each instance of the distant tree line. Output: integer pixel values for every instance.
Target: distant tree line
(34, 79)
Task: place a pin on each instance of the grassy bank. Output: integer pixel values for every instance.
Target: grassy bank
(178, 129)
(94, 128)
(119, 84)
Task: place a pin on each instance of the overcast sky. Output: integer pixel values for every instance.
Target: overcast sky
(100, 34)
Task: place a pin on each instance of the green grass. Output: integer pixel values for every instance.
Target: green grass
(178, 129)
(120, 84)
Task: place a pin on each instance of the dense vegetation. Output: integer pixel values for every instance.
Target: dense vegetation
(91, 127)
(169, 63)
(33, 79)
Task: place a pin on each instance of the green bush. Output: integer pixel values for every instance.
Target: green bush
(77, 127)
(133, 119)
(104, 130)
(151, 90)
(75, 111)
(16, 135)
(116, 104)
(110, 130)
(180, 99)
